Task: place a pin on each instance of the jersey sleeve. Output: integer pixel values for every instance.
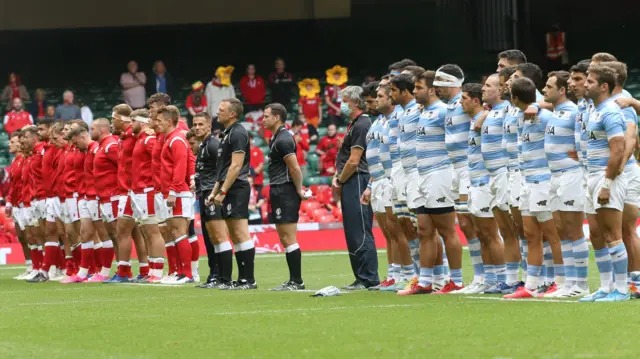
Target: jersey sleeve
(286, 146)
(178, 148)
(614, 124)
(239, 141)
(111, 150)
(149, 144)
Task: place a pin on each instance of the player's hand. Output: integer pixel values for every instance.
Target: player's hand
(149, 131)
(603, 196)
(531, 112)
(171, 201)
(219, 199)
(209, 200)
(366, 197)
(303, 195)
(192, 185)
(624, 101)
(573, 154)
(7, 211)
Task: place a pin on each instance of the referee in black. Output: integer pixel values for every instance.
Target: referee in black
(232, 191)
(285, 193)
(350, 181)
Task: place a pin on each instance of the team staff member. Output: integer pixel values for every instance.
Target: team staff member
(215, 233)
(285, 192)
(232, 192)
(349, 184)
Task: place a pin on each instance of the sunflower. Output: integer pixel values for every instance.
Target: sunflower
(309, 88)
(224, 74)
(337, 75)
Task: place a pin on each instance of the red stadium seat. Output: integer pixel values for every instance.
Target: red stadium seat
(337, 213)
(265, 192)
(324, 196)
(303, 219)
(309, 205)
(317, 188)
(317, 213)
(327, 218)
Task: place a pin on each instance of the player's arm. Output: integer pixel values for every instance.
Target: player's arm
(288, 150)
(237, 159)
(179, 152)
(628, 102)
(357, 151)
(112, 152)
(319, 113)
(630, 138)
(478, 125)
(614, 127)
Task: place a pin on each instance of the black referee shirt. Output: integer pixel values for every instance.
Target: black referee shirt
(356, 136)
(234, 139)
(206, 163)
(282, 145)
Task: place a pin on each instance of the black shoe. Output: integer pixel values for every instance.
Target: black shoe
(357, 285)
(289, 286)
(40, 277)
(209, 285)
(226, 285)
(244, 285)
(140, 279)
(543, 288)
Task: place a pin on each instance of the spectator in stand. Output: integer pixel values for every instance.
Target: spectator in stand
(256, 162)
(68, 111)
(368, 79)
(86, 115)
(327, 149)
(253, 90)
(132, 83)
(309, 103)
(15, 89)
(301, 136)
(38, 107)
(160, 80)
(17, 118)
(309, 129)
(337, 80)
(255, 202)
(218, 89)
(50, 115)
(196, 101)
(281, 85)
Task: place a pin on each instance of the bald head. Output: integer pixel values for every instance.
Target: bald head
(100, 128)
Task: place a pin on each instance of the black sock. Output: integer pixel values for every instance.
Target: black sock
(249, 260)
(294, 261)
(240, 261)
(225, 265)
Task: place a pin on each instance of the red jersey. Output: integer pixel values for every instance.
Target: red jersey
(25, 178)
(256, 159)
(142, 177)
(156, 161)
(78, 166)
(125, 164)
(61, 175)
(330, 147)
(37, 164)
(182, 126)
(49, 169)
(69, 172)
(253, 90)
(16, 120)
(89, 180)
(197, 108)
(105, 169)
(302, 146)
(333, 92)
(310, 107)
(174, 172)
(15, 182)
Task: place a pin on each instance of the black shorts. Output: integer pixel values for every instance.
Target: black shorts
(208, 213)
(285, 203)
(236, 202)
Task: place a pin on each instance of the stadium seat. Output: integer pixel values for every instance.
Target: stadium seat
(322, 131)
(327, 218)
(337, 213)
(309, 205)
(317, 188)
(318, 212)
(309, 181)
(303, 219)
(324, 196)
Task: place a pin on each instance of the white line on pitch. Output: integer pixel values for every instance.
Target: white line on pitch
(524, 300)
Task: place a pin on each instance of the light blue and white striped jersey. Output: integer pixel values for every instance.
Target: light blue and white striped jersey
(605, 123)
(431, 146)
(536, 166)
(457, 132)
(511, 136)
(560, 138)
(374, 136)
(385, 155)
(408, 126)
(478, 173)
(539, 96)
(630, 116)
(582, 118)
(494, 153)
(394, 150)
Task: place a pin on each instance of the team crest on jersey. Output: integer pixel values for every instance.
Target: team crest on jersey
(525, 137)
(448, 121)
(592, 135)
(229, 208)
(472, 141)
(485, 130)
(422, 131)
(551, 130)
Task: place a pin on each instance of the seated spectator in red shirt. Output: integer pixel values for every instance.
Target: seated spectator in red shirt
(308, 129)
(38, 108)
(255, 202)
(327, 149)
(17, 118)
(256, 162)
(15, 89)
(337, 80)
(301, 136)
(253, 90)
(310, 104)
(196, 101)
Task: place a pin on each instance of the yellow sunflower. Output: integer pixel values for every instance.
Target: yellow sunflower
(309, 88)
(337, 75)
(224, 74)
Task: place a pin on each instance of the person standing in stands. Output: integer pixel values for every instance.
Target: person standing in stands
(337, 81)
(67, 110)
(218, 89)
(253, 90)
(160, 81)
(327, 149)
(133, 83)
(14, 89)
(256, 161)
(281, 85)
(38, 108)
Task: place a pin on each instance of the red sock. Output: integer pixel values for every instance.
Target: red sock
(124, 270)
(87, 258)
(97, 259)
(184, 253)
(61, 258)
(172, 257)
(107, 257)
(77, 255)
(144, 270)
(195, 250)
(36, 260)
(50, 257)
(71, 267)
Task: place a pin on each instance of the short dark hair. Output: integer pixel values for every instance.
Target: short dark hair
(204, 115)
(235, 106)
(415, 70)
(385, 77)
(532, 72)
(621, 71)
(296, 123)
(507, 72)
(582, 66)
(17, 133)
(171, 112)
(279, 110)
(603, 57)
(428, 77)
(474, 90)
(524, 89)
(77, 132)
(190, 134)
(370, 89)
(403, 82)
(46, 122)
(513, 55)
(161, 98)
(401, 65)
(606, 75)
(562, 79)
(452, 69)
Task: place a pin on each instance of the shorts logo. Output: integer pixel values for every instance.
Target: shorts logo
(229, 208)
(542, 203)
(212, 209)
(484, 209)
(518, 198)
(278, 213)
(441, 199)
(569, 203)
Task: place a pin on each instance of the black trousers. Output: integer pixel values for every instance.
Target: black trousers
(358, 223)
(211, 253)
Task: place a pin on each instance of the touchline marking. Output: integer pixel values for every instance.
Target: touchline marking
(524, 300)
(275, 311)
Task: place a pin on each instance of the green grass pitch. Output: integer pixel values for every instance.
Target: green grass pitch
(92, 321)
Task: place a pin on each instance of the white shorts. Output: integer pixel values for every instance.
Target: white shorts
(18, 217)
(124, 207)
(479, 201)
(435, 189)
(412, 189)
(381, 195)
(461, 182)
(54, 209)
(567, 192)
(39, 209)
(183, 208)
(499, 185)
(632, 173)
(72, 213)
(515, 188)
(109, 210)
(535, 201)
(143, 205)
(160, 207)
(398, 183)
(616, 199)
(89, 209)
(29, 217)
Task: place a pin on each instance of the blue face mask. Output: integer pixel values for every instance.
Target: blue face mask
(344, 107)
